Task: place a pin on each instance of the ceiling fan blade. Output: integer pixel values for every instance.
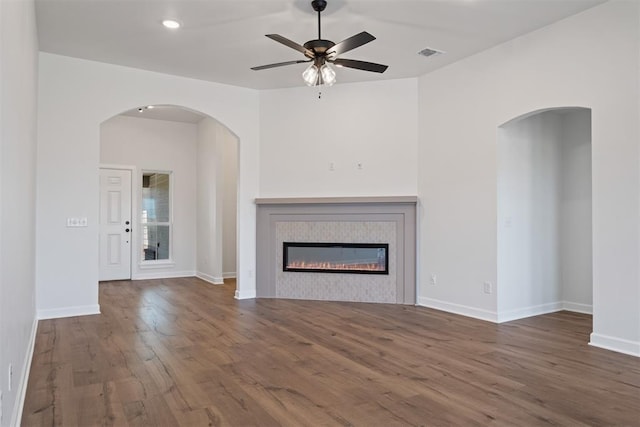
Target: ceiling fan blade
(360, 65)
(351, 43)
(290, 43)
(279, 64)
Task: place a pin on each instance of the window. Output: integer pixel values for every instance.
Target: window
(156, 216)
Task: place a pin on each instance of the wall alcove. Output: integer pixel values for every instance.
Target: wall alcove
(544, 230)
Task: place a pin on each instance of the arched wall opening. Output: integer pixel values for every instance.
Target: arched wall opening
(200, 155)
(72, 107)
(544, 231)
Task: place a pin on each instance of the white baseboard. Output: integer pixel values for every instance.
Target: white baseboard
(229, 275)
(505, 316)
(463, 310)
(245, 295)
(538, 310)
(81, 310)
(619, 345)
(577, 307)
(209, 278)
(163, 275)
(16, 417)
(535, 310)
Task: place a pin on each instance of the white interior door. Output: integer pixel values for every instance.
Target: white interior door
(115, 224)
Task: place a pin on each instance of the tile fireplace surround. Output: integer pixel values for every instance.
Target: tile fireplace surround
(390, 220)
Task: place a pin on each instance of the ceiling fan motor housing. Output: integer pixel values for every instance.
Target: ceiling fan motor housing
(319, 47)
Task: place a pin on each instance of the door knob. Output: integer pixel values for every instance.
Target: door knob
(127, 230)
(126, 222)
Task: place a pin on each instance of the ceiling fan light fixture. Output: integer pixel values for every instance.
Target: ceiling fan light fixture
(310, 75)
(328, 75)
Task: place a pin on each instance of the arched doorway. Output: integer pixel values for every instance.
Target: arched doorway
(544, 213)
(197, 158)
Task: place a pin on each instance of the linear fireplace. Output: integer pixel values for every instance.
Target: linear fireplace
(391, 220)
(359, 258)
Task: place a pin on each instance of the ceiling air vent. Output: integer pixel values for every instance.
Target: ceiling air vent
(427, 52)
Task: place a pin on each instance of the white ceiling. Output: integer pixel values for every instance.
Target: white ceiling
(221, 39)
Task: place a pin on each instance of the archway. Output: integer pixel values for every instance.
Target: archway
(199, 157)
(544, 210)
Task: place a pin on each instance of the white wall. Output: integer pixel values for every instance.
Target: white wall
(229, 202)
(158, 145)
(75, 97)
(461, 107)
(208, 211)
(18, 97)
(217, 201)
(529, 175)
(576, 219)
(544, 214)
(374, 124)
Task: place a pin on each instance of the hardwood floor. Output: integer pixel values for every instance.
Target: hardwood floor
(184, 352)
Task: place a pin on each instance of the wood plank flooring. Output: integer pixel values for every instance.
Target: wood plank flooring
(182, 352)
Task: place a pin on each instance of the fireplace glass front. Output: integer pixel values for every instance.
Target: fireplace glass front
(359, 258)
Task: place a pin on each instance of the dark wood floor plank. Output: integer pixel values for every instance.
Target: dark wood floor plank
(181, 352)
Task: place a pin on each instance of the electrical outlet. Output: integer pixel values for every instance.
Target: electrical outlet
(487, 288)
(434, 279)
(10, 377)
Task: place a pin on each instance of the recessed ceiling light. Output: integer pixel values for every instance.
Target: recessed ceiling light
(171, 23)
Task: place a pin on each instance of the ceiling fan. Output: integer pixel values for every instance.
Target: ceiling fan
(324, 52)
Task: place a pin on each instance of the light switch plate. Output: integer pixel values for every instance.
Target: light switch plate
(77, 222)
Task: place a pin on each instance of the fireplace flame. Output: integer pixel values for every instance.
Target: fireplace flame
(372, 266)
